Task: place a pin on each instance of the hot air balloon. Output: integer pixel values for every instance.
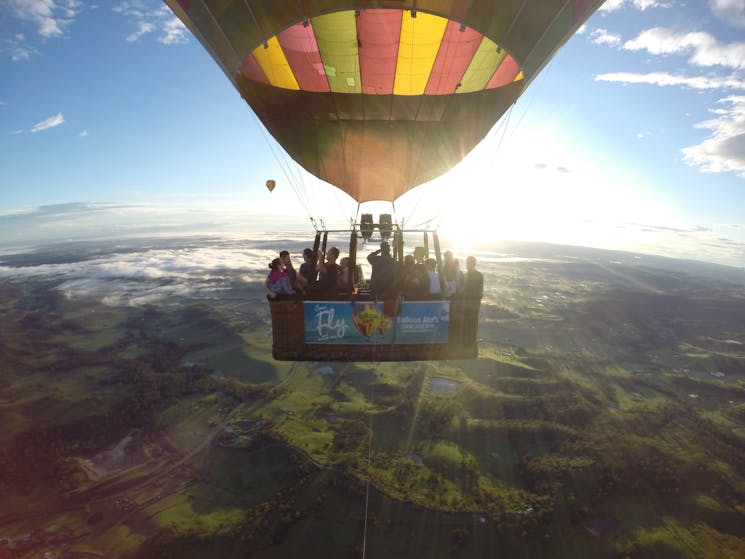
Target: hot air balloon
(270, 184)
(376, 98)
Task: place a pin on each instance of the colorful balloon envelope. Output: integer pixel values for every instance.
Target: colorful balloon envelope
(270, 184)
(379, 97)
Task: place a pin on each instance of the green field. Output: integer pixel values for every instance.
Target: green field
(604, 417)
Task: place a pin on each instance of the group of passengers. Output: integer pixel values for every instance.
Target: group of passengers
(415, 278)
(419, 278)
(325, 278)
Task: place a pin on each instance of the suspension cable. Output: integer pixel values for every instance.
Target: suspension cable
(504, 133)
(543, 76)
(288, 170)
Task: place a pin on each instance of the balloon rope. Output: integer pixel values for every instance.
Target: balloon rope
(504, 132)
(338, 202)
(296, 182)
(305, 181)
(369, 460)
(310, 185)
(419, 199)
(526, 101)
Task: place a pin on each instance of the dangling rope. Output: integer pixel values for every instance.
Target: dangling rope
(291, 171)
(369, 458)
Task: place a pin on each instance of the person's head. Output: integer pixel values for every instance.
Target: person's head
(385, 248)
(471, 263)
(419, 254)
(408, 261)
(447, 256)
(284, 256)
(344, 262)
(430, 264)
(332, 254)
(308, 254)
(275, 264)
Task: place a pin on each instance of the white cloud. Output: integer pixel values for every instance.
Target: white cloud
(665, 79)
(706, 50)
(48, 18)
(168, 29)
(50, 122)
(143, 28)
(173, 32)
(729, 11)
(40, 13)
(21, 53)
(17, 47)
(604, 37)
(153, 274)
(83, 134)
(613, 5)
(724, 150)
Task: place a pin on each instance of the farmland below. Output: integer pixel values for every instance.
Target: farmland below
(604, 417)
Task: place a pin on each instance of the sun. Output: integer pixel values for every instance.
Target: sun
(483, 207)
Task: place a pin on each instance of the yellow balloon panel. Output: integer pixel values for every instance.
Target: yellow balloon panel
(417, 50)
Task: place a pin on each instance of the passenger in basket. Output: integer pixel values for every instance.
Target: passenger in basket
(419, 282)
(473, 280)
(383, 276)
(358, 280)
(308, 268)
(409, 278)
(297, 281)
(453, 274)
(329, 270)
(278, 282)
(433, 276)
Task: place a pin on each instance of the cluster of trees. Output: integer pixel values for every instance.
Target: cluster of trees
(136, 392)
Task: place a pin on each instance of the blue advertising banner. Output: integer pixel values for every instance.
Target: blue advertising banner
(346, 322)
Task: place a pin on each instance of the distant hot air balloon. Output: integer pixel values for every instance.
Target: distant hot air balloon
(270, 184)
(379, 97)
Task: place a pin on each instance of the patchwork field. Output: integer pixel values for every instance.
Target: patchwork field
(604, 417)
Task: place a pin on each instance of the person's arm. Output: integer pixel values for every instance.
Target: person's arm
(269, 289)
(322, 264)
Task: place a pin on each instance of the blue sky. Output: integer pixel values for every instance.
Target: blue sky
(632, 138)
